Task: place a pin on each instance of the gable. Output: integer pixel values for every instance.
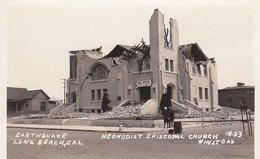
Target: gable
(41, 95)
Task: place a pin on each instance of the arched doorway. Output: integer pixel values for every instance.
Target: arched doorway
(73, 94)
(171, 91)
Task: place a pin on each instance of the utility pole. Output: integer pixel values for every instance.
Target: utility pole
(64, 88)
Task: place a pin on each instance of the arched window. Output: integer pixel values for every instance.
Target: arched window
(99, 72)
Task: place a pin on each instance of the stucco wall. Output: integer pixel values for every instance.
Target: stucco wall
(184, 77)
(191, 82)
(84, 86)
(147, 75)
(71, 87)
(159, 53)
(214, 80)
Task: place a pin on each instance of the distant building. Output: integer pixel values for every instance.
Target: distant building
(236, 96)
(22, 101)
(145, 72)
(54, 103)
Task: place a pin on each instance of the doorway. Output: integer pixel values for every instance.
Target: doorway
(145, 93)
(169, 91)
(74, 97)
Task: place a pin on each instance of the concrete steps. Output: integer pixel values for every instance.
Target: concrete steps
(179, 107)
(191, 105)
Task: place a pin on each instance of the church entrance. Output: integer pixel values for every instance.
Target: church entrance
(145, 93)
(169, 91)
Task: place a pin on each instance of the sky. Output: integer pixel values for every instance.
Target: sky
(40, 36)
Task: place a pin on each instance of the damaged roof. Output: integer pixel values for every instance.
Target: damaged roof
(75, 51)
(193, 52)
(19, 94)
(118, 51)
(97, 50)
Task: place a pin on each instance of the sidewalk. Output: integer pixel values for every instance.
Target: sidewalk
(86, 128)
(187, 123)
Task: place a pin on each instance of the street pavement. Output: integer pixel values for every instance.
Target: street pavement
(98, 145)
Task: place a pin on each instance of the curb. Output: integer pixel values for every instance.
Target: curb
(116, 130)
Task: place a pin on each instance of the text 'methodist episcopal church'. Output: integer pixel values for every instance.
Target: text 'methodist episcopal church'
(143, 72)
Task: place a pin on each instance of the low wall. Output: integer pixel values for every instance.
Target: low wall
(37, 121)
(19, 113)
(82, 122)
(129, 123)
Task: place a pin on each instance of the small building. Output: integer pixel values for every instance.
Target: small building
(237, 96)
(144, 72)
(23, 101)
(54, 103)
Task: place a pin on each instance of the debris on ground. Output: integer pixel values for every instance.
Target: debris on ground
(129, 112)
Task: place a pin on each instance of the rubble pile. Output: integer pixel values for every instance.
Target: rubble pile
(129, 111)
(229, 115)
(121, 112)
(223, 113)
(126, 111)
(219, 114)
(195, 114)
(70, 115)
(117, 112)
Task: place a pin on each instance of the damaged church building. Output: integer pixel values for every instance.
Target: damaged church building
(143, 72)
